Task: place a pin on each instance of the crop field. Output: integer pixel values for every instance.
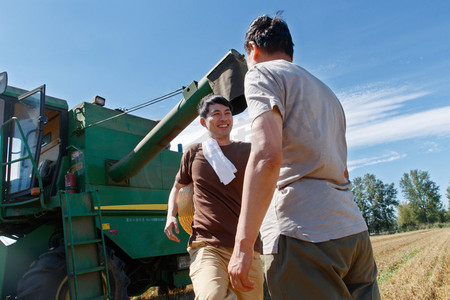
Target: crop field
(412, 265)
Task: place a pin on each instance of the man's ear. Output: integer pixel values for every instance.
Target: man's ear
(202, 121)
(254, 49)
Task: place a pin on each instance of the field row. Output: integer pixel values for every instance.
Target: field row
(414, 265)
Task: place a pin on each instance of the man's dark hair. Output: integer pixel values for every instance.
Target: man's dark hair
(270, 34)
(206, 102)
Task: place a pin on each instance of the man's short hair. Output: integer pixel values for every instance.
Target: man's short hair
(206, 102)
(270, 34)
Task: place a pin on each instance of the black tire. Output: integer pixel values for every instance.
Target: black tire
(47, 278)
(118, 280)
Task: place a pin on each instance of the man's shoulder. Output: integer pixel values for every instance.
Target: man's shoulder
(192, 150)
(194, 147)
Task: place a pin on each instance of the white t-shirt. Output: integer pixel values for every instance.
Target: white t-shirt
(313, 200)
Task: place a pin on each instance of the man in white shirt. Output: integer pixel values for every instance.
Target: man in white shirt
(315, 240)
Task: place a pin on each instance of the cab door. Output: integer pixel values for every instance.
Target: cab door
(21, 142)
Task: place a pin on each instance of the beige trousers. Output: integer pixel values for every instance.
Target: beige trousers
(209, 273)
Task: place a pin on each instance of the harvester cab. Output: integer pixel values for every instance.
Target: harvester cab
(84, 192)
(22, 135)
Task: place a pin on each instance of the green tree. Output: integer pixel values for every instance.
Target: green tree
(448, 192)
(377, 202)
(447, 214)
(423, 195)
(406, 216)
(360, 198)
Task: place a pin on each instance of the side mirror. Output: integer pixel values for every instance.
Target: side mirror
(3, 82)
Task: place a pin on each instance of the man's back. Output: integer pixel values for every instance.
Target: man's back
(314, 143)
(313, 201)
(312, 230)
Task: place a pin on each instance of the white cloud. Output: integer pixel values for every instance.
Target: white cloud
(371, 103)
(376, 115)
(422, 124)
(432, 147)
(388, 157)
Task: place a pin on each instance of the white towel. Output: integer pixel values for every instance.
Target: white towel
(223, 167)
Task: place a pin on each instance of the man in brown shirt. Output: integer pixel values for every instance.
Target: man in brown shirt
(216, 169)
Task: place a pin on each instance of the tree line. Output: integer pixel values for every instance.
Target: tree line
(384, 213)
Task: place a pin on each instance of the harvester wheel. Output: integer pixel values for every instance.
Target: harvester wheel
(47, 278)
(118, 280)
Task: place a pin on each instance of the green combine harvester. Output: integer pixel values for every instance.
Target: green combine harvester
(84, 192)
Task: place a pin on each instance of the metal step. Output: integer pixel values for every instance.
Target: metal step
(86, 271)
(85, 249)
(85, 242)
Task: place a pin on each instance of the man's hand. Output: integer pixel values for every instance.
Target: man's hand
(172, 223)
(239, 268)
(172, 210)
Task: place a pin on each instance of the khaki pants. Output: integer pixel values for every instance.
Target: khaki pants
(209, 273)
(336, 269)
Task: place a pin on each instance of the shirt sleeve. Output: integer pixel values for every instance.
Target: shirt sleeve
(263, 92)
(184, 175)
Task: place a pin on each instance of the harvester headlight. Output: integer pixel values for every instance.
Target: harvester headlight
(99, 100)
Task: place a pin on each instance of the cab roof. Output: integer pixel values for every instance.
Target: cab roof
(49, 100)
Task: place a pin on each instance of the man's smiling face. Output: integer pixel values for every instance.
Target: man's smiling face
(219, 121)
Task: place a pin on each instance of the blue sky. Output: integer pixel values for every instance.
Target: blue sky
(388, 62)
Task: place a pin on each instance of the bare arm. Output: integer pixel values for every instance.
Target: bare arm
(172, 210)
(261, 175)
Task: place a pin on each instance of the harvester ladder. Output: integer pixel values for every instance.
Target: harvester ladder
(86, 256)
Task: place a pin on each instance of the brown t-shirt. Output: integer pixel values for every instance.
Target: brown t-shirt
(217, 206)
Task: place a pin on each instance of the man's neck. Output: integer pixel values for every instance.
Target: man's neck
(274, 56)
(223, 142)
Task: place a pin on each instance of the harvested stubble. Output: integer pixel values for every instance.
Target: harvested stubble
(414, 265)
